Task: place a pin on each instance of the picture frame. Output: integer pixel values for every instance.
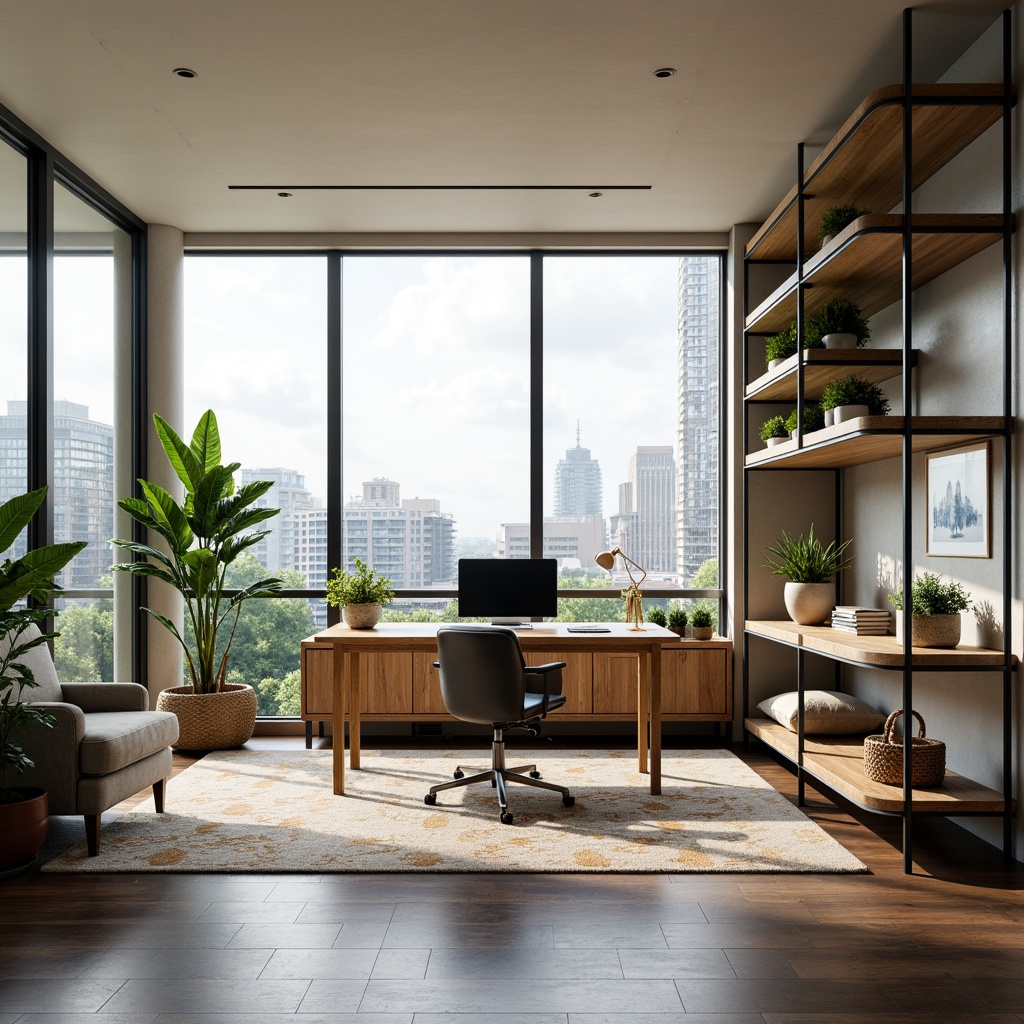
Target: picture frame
(958, 506)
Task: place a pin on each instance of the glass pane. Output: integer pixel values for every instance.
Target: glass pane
(84, 651)
(255, 353)
(436, 415)
(13, 326)
(85, 316)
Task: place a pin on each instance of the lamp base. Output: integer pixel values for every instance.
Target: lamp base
(637, 629)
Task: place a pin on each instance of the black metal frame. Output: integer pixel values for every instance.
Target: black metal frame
(1006, 669)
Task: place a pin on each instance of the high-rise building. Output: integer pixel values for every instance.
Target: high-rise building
(697, 353)
(645, 526)
(573, 540)
(279, 549)
(578, 483)
(83, 484)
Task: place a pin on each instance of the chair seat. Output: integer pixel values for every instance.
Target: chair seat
(533, 704)
(115, 739)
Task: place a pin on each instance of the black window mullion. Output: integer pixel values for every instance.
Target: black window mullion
(536, 405)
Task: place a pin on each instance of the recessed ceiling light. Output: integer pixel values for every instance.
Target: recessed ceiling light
(185, 73)
(664, 72)
(285, 195)
(595, 195)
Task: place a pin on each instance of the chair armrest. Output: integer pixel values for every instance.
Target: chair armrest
(55, 753)
(92, 697)
(551, 675)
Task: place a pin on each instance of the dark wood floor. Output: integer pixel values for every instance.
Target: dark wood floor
(943, 945)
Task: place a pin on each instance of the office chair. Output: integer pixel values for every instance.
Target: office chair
(485, 680)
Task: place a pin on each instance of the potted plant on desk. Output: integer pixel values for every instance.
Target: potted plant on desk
(361, 595)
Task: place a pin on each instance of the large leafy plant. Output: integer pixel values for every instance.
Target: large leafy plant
(805, 559)
(30, 576)
(204, 534)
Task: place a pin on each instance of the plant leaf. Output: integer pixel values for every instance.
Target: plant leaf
(16, 514)
(182, 459)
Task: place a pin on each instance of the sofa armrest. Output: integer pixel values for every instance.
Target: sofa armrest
(55, 753)
(92, 697)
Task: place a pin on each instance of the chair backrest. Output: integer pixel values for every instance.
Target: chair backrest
(40, 664)
(483, 677)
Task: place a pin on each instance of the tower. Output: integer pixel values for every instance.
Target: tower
(577, 482)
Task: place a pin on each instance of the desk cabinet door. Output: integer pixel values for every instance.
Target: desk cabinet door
(317, 680)
(615, 683)
(577, 679)
(695, 682)
(387, 679)
(426, 686)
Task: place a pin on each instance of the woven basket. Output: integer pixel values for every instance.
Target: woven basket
(883, 756)
(211, 721)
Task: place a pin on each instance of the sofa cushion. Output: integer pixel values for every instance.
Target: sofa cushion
(114, 739)
(40, 664)
(825, 712)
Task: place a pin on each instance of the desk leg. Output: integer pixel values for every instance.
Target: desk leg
(642, 712)
(355, 701)
(654, 667)
(340, 699)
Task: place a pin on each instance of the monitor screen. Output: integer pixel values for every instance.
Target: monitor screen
(509, 589)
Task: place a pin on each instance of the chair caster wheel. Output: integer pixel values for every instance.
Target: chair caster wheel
(534, 775)
(506, 818)
(458, 775)
(568, 801)
(430, 799)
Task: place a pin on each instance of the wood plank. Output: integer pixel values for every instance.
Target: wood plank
(881, 651)
(872, 439)
(577, 677)
(863, 264)
(839, 762)
(694, 682)
(862, 163)
(317, 680)
(426, 686)
(387, 681)
(615, 678)
(823, 365)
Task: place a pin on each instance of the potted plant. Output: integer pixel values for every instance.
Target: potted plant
(809, 568)
(773, 431)
(24, 810)
(361, 595)
(834, 219)
(838, 324)
(935, 609)
(780, 346)
(677, 621)
(851, 397)
(814, 419)
(701, 623)
(204, 534)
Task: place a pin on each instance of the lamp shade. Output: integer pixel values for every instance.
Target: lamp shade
(606, 559)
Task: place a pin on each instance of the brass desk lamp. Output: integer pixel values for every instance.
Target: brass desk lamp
(634, 599)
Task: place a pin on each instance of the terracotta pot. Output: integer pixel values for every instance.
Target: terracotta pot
(211, 721)
(680, 631)
(935, 630)
(809, 604)
(702, 632)
(23, 826)
(361, 616)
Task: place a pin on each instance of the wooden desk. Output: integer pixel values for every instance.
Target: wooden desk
(413, 637)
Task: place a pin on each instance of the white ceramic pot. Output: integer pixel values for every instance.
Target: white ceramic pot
(772, 363)
(810, 604)
(842, 413)
(840, 340)
(773, 441)
(829, 416)
(361, 616)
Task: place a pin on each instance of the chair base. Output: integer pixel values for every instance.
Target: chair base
(499, 775)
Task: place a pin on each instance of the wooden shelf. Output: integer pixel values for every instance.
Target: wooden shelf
(873, 439)
(838, 762)
(879, 651)
(822, 365)
(862, 164)
(863, 263)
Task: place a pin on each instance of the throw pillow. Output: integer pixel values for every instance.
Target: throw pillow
(825, 711)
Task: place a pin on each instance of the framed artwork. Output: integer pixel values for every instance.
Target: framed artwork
(958, 490)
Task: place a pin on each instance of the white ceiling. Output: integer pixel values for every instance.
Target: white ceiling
(455, 92)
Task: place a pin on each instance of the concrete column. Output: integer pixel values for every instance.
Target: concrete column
(165, 360)
(123, 480)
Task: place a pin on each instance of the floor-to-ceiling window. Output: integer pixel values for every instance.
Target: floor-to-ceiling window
(422, 449)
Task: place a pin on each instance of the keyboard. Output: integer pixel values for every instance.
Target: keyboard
(587, 629)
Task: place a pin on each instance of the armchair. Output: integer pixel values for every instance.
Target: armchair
(106, 744)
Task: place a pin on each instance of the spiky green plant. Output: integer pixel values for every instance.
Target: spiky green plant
(805, 560)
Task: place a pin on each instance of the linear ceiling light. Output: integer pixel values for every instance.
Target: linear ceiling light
(451, 188)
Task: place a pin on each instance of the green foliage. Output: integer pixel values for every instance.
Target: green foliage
(85, 650)
(930, 596)
(814, 418)
(834, 219)
(204, 535)
(676, 618)
(805, 560)
(854, 390)
(701, 617)
(364, 586)
(31, 576)
(774, 426)
(781, 346)
(837, 316)
(706, 576)
(657, 616)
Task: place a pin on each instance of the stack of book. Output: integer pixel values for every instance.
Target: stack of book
(863, 621)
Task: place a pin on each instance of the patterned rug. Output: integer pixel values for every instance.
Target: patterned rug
(271, 811)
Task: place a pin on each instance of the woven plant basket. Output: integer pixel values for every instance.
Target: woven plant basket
(211, 721)
(883, 756)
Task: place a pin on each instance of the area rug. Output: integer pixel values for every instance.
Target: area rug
(270, 811)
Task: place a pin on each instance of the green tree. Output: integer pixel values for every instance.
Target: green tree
(706, 577)
(84, 651)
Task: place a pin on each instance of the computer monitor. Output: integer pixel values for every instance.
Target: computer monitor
(508, 591)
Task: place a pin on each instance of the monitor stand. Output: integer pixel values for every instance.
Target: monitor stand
(512, 623)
